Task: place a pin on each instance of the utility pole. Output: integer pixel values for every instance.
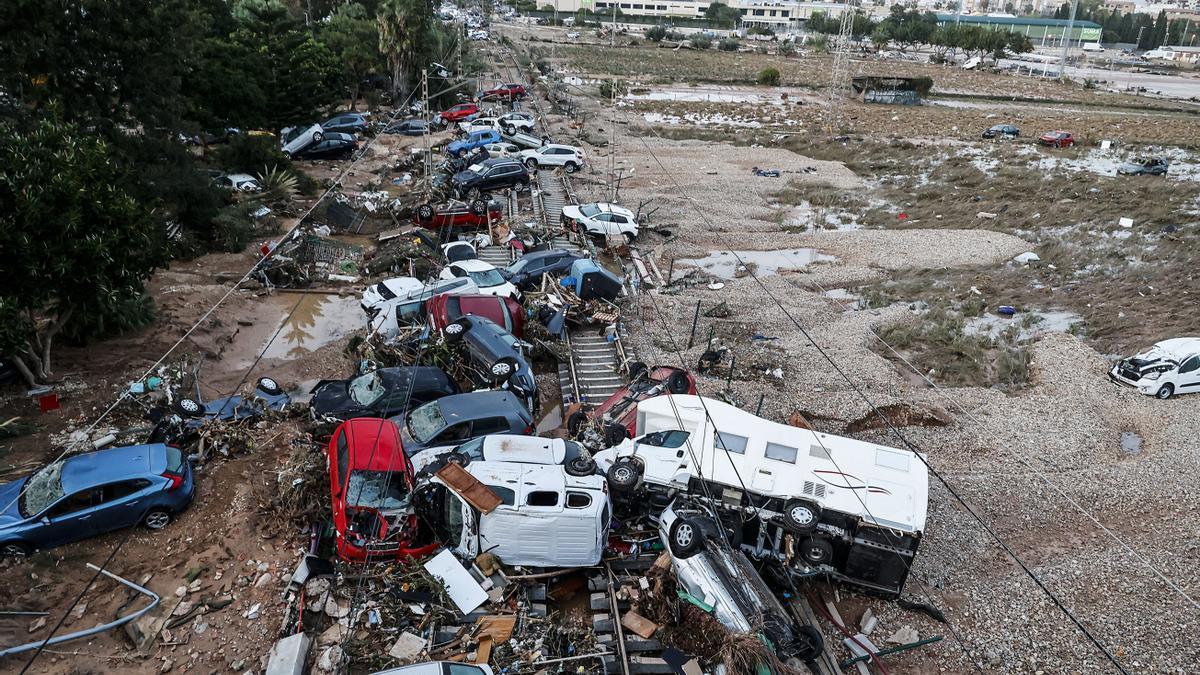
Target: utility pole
(425, 113)
(612, 34)
(958, 13)
(1062, 64)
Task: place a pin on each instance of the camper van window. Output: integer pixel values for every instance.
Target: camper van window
(819, 451)
(782, 453)
(732, 442)
(891, 459)
(507, 496)
(542, 498)
(578, 500)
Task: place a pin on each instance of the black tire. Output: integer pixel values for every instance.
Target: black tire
(15, 549)
(503, 369)
(479, 207)
(455, 331)
(457, 458)
(624, 476)
(629, 238)
(510, 130)
(318, 137)
(816, 550)
(809, 644)
(614, 434)
(1165, 392)
(636, 370)
(531, 164)
(269, 386)
(287, 155)
(189, 407)
(156, 519)
(685, 538)
(580, 466)
(425, 213)
(462, 152)
(571, 167)
(801, 517)
(678, 383)
(575, 422)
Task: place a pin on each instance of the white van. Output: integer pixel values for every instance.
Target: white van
(546, 517)
(1168, 368)
(389, 310)
(854, 506)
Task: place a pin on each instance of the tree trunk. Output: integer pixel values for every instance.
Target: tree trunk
(19, 362)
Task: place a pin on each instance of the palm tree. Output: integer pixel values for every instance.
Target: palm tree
(404, 26)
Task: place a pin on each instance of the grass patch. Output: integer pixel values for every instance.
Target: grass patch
(939, 345)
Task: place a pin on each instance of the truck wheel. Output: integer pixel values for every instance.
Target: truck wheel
(575, 422)
(636, 370)
(614, 434)
(817, 550)
(685, 538)
(581, 466)
(624, 475)
(1166, 391)
(800, 516)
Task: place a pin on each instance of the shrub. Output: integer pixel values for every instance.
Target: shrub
(923, 85)
(656, 33)
(249, 154)
(701, 41)
(611, 89)
(769, 77)
(729, 45)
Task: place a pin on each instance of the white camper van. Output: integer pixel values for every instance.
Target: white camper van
(854, 506)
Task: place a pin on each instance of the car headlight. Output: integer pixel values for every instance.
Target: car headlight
(1154, 375)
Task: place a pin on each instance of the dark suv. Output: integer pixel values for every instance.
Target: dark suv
(496, 355)
(527, 272)
(492, 174)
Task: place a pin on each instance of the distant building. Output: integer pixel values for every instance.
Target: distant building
(778, 15)
(1122, 6)
(1039, 31)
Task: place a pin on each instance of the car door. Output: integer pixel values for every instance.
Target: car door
(1188, 378)
(490, 425)
(125, 503)
(72, 518)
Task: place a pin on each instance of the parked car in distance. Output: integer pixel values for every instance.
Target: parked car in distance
(493, 174)
(1002, 131)
(474, 140)
(502, 149)
(497, 357)
(615, 419)
(503, 311)
(513, 122)
(484, 274)
(347, 123)
(509, 448)
(1056, 139)
(380, 393)
(455, 113)
(458, 214)
(600, 220)
(527, 272)
(552, 154)
(371, 483)
(335, 145)
(453, 419)
(439, 668)
(1144, 166)
(1168, 368)
(238, 182)
(410, 127)
(294, 139)
(508, 92)
(88, 494)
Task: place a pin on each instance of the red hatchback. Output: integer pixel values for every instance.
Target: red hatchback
(505, 312)
(457, 213)
(509, 91)
(459, 112)
(1057, 139)
(616, 418)
(371, 480)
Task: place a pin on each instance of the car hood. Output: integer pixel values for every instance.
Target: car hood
(8, 500)
(332, 398)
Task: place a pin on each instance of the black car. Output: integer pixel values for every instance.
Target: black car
(347, 123)
(493, 174)
(1002, 131)
(497, 355)
(383, 392)
(335, 145)
(454, 419)
(410, 127)
(527, 272)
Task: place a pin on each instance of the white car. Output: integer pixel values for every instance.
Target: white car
(439, 668)
(408, 306)
(375, 295)
(485, 275)
(477, 35)
(510, 448)
(1169, 367)
(240, 182)
(295, 139)
(553, 154)
(502, 149)
(600, 220)
(478, 124)
(517, 121)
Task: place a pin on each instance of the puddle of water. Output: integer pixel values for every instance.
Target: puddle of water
(1131, 443)
(317, 321)
(723, 263)
(811, 217)
(1029, 324)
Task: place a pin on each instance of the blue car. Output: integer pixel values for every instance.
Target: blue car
(476, 139)
(89, 494)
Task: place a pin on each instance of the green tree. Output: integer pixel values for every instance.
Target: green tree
(353, 36)
(721, 15)
(403, 27)
(75, 242)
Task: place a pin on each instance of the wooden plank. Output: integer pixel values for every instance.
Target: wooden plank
(498, 628)
(469, 488)
(645, 628)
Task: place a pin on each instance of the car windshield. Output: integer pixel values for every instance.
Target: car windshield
(43, 489)
(486, 278)
(589, 210)
(425, 422)
(377, 490)
(366, 389)
(384, 292)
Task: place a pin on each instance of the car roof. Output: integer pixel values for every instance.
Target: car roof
(91, 469)
(476, 404)
(497, 161)
(548, 253)
(1184, 346)
(513, 448)
(240, 177)
(374, 444)
(474, 265)
(609, 208)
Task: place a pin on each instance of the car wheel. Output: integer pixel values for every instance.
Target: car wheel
(685, 538)
(624, 476)
(801, 517)
(462, 152)
(614, 434)
(479, 207)
(679, 383)
(1165, 392)
(581, 466)
(503, 369)
(269, 386)
(157, 519)
(425, 213)
(509, 130)
(458, 458)
(636, 370)
(531, 164)
(15, 549)
(628, 238)
(318, 137)
(575, 422)
(455, 331)
(189, 407)
(287, 155)
(571, 167)
(817, 550)
(809, 644)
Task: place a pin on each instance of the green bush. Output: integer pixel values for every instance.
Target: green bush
(701, 41)
(250, 154)
(118, 315)
(769, 77)
(656, 33)
(610, 89)
(729, 45)
(923, 85)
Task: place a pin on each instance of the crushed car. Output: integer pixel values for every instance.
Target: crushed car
(505, 312)
(615, 420)
(1168, 368)
(180, 424)
(383, 392)
(509, 448)
(1144, 166)
(454, 419)
(497, 357)
(294, 139)
(457, 214)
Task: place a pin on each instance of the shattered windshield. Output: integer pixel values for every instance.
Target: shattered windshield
(425, 422)
(43, 489)
(384, 490)
(366, 389)
(486, 278)
(385, 292)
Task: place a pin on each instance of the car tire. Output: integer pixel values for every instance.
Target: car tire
(685, 538)
(287, 155)
(462, 152)
(189, 407)
(503, 369)
(15, 549)
(570, 167)
(455, 331)
(318, 137)
(1165, 392)
(678, 383)
(575, 422)
(269, 386)
(425, 213)
(479, 207)
(809, 644)
(509, 130)
(580, 466)
(636, 370)
(816, 550)
(457, 458)
(801, 517)
(614, 434)
(156, 519)
(531, 164)
(624, 476)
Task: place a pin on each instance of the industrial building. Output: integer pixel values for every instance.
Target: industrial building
(1040, 31)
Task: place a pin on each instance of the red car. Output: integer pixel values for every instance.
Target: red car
(508, 91)
(505, 312)
(1057, 139)
(457, 213)
(371, 480)
(616, 418)
(459, 112)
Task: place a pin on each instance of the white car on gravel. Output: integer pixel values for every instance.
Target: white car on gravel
(552, 155)
(600, 220)
(485, 275)
(1169, 367)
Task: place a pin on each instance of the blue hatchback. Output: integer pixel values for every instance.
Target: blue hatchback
(87, 495)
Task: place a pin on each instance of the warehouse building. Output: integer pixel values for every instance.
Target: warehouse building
(1042, 32)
